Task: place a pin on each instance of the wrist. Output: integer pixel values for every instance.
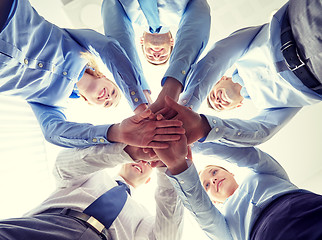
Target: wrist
(113, 133)
(204, 127)
(172, 88)
(178, 168)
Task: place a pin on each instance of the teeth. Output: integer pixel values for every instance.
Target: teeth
(138, 168)
(102, 93)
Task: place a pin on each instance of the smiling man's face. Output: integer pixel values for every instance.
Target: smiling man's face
(136, 174)
(225, 95)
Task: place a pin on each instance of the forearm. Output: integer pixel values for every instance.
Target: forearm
(196, 200)
(237, 132)
(169, 210)
(74, 162)
(67, 134)
(191, 39)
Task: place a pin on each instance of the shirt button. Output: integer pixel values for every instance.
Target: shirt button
(26, 61)
(199, 80)
(40, 65)
(132, 93)
(136, 99)
(184, 101)
(217, 129)
(181, 181)
(183, 72)
(102, 140)
(64, 73)
(214, 121)
(94, 140)
(239, 133)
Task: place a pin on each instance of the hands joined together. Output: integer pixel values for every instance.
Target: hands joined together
(162, 136)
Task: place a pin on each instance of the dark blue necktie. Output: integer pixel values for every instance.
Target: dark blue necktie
(151, 13)
(108, 206)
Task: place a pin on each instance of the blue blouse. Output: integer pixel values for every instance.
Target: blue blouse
(41, 63)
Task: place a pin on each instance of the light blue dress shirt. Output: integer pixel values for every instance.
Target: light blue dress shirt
(41, 63)
(191, 18)
(267, 181)
(256, 53)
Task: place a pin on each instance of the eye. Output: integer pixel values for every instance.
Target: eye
(113, 92)
(206, 186)
(214, 172)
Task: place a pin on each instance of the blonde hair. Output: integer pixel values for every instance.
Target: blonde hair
(96, 72)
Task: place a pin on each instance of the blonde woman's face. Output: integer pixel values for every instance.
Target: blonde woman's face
(98, 91)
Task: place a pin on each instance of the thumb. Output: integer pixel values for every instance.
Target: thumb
(171, 103)
(141, 116)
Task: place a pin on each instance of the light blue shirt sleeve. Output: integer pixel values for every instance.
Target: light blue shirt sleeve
(118, 25)
(191, 39)
(238, 132)
(116, 60)
(214, 65)
(67, 134)
(196, 200)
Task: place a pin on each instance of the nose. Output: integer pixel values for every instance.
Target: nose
(214, 180)
(156, 55)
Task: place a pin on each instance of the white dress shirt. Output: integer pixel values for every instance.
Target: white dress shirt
(81, 179)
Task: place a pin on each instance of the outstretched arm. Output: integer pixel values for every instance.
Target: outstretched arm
(232, 132)
(137, 130)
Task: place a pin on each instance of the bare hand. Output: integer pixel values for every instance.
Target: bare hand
(195, 125)
(137, 153)
(141, 131)
(174, 157)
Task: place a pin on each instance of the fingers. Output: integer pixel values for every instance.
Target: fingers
(166, 138)
(169, 130)
(141, 116)
(158, 145)
(168, 123)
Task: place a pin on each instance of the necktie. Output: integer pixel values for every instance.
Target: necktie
(150, 10)
(108, 206)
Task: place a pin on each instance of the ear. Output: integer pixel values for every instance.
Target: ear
(148, 180)
(239, 104)
(141, 40)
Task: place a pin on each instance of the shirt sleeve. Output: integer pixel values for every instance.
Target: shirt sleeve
(214, 65)
(250, 157)
(168, 221)
(59, 131)
(119, 26)
(196, 200)
(126, 74)
(191, 39)
(75, 164)
(238, 132)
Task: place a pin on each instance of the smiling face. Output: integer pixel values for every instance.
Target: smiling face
(157, 47)
(98, 90)
(136, 174)
(218, 183)
(225, 95)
